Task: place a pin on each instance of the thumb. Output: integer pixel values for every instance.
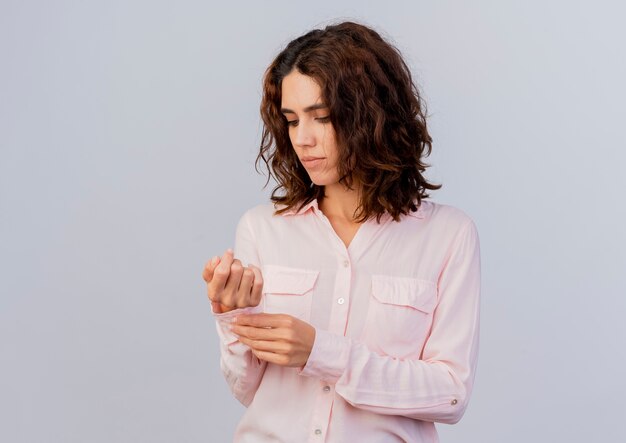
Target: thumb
(216, 307)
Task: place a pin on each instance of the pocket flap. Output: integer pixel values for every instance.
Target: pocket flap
(405, 291)
(286, 280)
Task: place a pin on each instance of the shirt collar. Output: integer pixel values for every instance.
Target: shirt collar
(421, 212)
(294, 210)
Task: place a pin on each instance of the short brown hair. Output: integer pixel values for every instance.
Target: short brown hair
(377, 113)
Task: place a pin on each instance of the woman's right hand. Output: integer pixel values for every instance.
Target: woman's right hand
(230, 285)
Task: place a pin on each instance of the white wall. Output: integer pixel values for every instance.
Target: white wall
(128, 131)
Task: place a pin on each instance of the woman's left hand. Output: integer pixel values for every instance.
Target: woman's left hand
(276, 338)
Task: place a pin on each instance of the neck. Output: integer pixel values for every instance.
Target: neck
(339, 202)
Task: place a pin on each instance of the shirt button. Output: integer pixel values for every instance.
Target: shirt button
(340, 301)
(318, 431)
(326, 388)
(346, 263)
(453, 402)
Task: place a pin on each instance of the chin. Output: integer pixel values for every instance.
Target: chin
(320, 182)
(323, 180)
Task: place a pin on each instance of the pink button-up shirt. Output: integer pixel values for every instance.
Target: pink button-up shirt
(396, 316)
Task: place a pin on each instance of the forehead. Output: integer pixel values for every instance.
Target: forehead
(299, 91)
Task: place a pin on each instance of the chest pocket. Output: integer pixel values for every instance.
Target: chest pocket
(399, 316)
(288, 290)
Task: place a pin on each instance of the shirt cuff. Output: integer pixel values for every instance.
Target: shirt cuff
(230, 314)
(224, 320)
(329, 357)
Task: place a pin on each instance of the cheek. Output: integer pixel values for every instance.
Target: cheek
(332, 154)
(330, 144)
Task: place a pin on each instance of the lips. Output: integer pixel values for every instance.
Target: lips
(311, 162)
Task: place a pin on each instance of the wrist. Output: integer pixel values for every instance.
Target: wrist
(219, 308)
(223, 309)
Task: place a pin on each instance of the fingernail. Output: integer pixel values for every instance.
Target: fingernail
(214, 260)
(229, 250)
(234, 320)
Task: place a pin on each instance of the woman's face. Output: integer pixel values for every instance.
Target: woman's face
(310, 131)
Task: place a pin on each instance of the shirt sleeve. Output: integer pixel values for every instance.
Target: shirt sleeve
(241, 369)
(435, 387)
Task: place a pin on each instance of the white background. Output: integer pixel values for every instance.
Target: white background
(128, 132)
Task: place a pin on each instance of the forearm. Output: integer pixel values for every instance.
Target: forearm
(420, 389)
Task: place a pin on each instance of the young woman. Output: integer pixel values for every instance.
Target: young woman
(356, 317)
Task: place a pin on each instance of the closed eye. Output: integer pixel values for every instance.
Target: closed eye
(324, 119)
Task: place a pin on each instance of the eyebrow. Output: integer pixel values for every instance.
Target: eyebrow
(307, 109)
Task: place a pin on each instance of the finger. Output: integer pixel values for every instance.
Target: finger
(209, 268)
(226, 259)
(275, 347)
(259, 333)
(245, 287)
(266, 320)
(220, 276)
(257, 286)
(231, 296)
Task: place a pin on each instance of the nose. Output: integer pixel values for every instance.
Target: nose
(303, 134)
